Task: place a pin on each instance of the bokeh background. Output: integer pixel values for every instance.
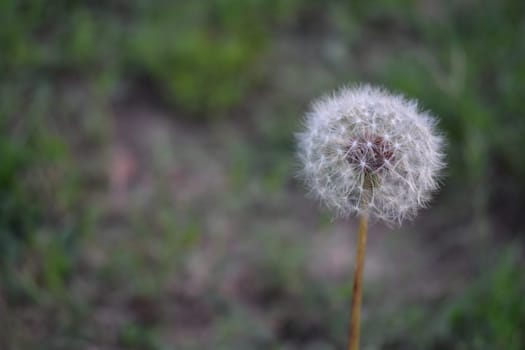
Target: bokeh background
(148, 197)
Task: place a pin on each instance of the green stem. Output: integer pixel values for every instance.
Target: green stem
(355, 321)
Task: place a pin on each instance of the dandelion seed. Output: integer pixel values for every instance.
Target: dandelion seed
(380, 134)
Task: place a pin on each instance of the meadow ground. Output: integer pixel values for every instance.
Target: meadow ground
(149, 197)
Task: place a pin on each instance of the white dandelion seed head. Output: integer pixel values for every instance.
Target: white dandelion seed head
(364, 142)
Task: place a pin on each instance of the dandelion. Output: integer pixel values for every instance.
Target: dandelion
(370, 153)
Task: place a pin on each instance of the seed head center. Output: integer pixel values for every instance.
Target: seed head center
(371, 153)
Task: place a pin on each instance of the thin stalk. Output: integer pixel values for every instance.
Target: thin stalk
(355, 321)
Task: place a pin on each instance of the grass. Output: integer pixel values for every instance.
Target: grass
(233, 77)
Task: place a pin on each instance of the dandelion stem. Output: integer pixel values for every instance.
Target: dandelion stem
(355, 321)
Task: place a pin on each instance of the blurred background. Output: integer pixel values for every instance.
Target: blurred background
(148, 197)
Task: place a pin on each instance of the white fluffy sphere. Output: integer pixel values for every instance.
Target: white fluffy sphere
(365, 150)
